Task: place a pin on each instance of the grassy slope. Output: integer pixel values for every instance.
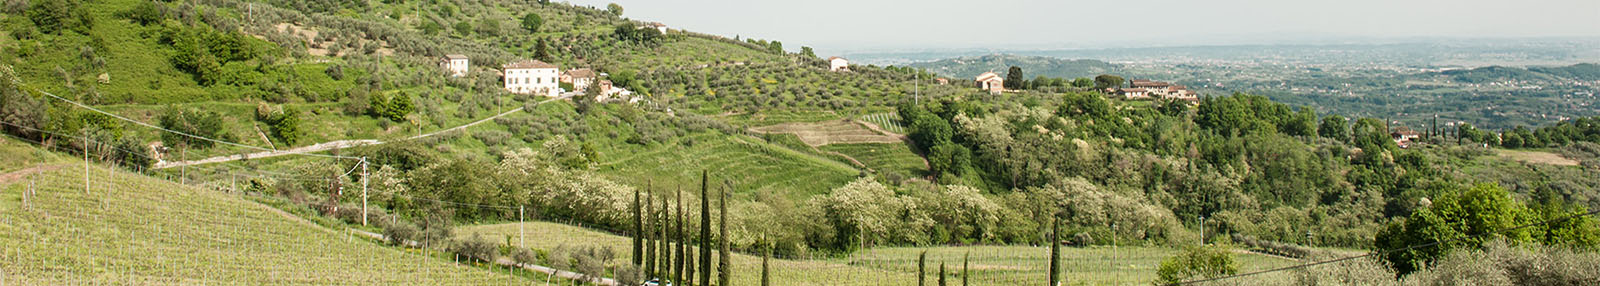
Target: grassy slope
(748, 163)
(885, 158)
(139, 230)
(990, 265)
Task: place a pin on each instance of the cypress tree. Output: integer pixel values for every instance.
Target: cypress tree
(663, 255)
(723, 266)
(677, 235)
(638, 229)
(941, 274)
(689, 269)
(705, 227)
(650, 239)
(1055, 252)
(922, 268)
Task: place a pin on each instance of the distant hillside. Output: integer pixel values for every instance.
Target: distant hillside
(1031, 65)
(1578, 72)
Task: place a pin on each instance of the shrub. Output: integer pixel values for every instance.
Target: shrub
(525, 256)
(1197, 262)
(399, 232)
(196, 122)
(475, 248)
(1360, 271)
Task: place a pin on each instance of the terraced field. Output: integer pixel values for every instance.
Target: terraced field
(989, 265)
(750, 165)
(829, 132)
(130, 229)
(884, 158)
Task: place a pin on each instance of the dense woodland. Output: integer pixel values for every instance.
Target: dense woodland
(1001, 167)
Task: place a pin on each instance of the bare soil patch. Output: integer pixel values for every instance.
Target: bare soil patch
(1537, 157)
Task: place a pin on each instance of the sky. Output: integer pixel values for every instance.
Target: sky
(837, 26)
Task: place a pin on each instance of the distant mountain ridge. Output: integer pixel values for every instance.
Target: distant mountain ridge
(966, 67)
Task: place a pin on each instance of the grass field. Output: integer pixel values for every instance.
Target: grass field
(990, 265)
(749, 164)
(885, 158)
(131, 229)
(1538, 157)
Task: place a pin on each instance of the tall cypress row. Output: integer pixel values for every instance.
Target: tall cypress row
(705, 227)
(638, 229)
(723, 266)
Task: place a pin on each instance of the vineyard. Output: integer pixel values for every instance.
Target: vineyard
(125, 228)
(889, 121)
(988, 265)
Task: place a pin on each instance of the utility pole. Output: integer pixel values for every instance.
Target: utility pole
(364, 191)
(521, 221)
(1202, 230)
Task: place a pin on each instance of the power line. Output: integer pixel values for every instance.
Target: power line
(1425, 245)
(141, 123)
(113, 147)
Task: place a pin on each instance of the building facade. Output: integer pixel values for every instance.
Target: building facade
(991, 82)
(838, 64)
(455, 64)
(532, 77)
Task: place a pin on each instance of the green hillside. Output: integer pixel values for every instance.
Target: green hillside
(131, 229)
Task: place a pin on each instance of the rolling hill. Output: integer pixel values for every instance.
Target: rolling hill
(127, 228)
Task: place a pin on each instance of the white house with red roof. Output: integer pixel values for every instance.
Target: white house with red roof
(992, 82)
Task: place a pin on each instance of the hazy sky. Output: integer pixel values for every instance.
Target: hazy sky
(856, 25)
